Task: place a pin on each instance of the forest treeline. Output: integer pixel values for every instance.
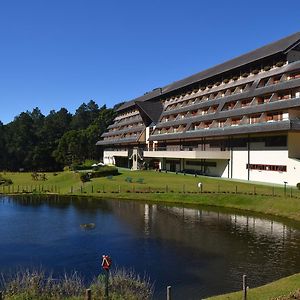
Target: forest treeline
(35, 142)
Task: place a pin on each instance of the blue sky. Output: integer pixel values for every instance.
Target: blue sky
(61, 53)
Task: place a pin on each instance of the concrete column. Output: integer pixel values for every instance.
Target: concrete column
(135, 159)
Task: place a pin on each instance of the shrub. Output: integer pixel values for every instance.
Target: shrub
(105, 171)
(5, 181)
(37, 285)
(125, 285)
(84, 177)
(298, 185)
(86, 165)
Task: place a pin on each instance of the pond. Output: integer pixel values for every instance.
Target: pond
(198, 252)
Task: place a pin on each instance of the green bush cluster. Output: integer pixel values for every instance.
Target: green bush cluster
(86, 165)
(5, 181)
(105, 171)
(37, 285)
(101, 172)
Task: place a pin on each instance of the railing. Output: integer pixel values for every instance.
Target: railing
(186, 148)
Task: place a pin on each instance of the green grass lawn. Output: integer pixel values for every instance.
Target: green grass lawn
(168, 187)
(272, 290)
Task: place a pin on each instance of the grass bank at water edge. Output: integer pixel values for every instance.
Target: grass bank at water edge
(283, 289)
(168, 188)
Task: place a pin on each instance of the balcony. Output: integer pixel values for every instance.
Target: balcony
(191, 153)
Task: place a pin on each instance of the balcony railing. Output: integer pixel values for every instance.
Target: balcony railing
(186, 148)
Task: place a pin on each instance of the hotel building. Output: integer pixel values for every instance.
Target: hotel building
(239, 119)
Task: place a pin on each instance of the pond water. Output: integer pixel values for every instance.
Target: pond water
(196, 251)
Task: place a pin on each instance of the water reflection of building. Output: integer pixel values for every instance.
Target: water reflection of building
(171, 222)
(255, 225)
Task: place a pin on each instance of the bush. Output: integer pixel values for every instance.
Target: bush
(298, 185)
(5, 181)
(37, 285)
(125, 285)
(86, 165)
(84, 177)
(105, 171)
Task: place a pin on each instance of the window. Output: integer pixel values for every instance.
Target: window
(276, 168)
(201, 163)
(276, 141)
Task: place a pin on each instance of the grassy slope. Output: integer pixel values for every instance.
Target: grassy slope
(272, 290)
(217, 192)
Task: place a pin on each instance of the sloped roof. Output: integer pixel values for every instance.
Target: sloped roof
(147, 96)
(277, 47)
(152, 109)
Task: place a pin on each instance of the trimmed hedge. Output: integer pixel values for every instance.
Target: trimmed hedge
(105, 171)
(102, 172)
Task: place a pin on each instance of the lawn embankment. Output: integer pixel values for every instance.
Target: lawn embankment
(281, 287)
(168, 188)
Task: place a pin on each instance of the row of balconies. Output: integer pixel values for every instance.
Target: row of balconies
(224, 82)
(126, 127)
(122, 136)
(245, 120)
(212, 96)
(125, 121)
(258, 100)
(127, 115)
(278, 78)
(231, 91)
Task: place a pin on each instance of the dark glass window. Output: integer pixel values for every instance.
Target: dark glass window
(276, 168)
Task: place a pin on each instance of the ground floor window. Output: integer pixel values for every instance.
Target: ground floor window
(201, 163)
(277, 168)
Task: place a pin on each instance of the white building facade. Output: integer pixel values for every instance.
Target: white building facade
(240, 119)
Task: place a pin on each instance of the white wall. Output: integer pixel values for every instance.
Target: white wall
(239, 161)
(266, 157)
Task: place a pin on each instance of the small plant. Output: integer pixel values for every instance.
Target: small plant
(38, 177)
(298, 185)
(84, 177)
(128, 179)
(280, 64)
(255, 71)
(140, 180)
(5, 181)
(123, 284)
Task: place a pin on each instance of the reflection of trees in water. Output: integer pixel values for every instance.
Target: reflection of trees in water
(82, 204)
